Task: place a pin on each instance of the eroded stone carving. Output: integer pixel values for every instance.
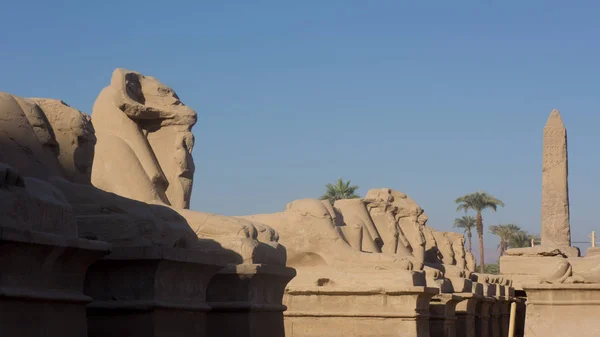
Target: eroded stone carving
(59, 166)
(143, 153)
(399, 220)
(470, 261)
(457, 241)
(311, 231)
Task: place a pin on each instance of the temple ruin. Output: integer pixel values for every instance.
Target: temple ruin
(99, 240)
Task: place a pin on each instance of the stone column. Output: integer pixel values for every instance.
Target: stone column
(466, 314)
(482, 326)
(495, 317)
(442, 317)
(505, 316)
(556, 230)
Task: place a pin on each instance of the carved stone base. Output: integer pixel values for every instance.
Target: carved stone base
(442, 317)
(41, 283)
(562, 310)
(246, 301)
(362, 312)
(150, 292)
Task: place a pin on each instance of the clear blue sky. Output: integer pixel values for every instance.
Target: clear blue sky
(432, 98)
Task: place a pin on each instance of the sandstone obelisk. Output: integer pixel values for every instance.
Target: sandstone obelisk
(556, 230)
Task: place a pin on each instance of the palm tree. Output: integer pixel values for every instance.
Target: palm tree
(340, 190)
(467, 223)
(478, 201)
(506, 233)
(521, 239)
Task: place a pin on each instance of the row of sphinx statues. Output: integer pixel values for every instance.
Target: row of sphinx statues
(124, 176)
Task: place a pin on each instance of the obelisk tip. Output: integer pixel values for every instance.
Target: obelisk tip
(555, 119)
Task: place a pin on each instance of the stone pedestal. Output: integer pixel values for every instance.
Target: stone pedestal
(150, 292)
(488, 289)
(562, 310)
(443, 284)
(477, 288)
(442, 317)
(318, 312)
(41, 283)
(482, 323)
(466, 314)
(246, 300)
(461, 285)
(592, 251)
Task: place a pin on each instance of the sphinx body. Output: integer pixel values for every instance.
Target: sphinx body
(311, 230)
(395, 221)
(52, 146)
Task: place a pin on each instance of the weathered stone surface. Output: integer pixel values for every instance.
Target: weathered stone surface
(359, 228)
(246, 300)
(41, 288)
(543, 251)
(556, 230)
(74, 136)
(562, 310)
(151, 291)
(42, 258)
(402, 231)
(361, 306)
(470, 261)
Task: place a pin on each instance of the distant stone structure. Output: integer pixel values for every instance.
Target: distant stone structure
(97, 240)
(543, 262)
(556, 230)
(562, 289)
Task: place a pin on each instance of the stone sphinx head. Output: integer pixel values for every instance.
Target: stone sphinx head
(471, 264)
(445, 247)
(458, 246)
(151, 119)
(75, 138)
(408, 215)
